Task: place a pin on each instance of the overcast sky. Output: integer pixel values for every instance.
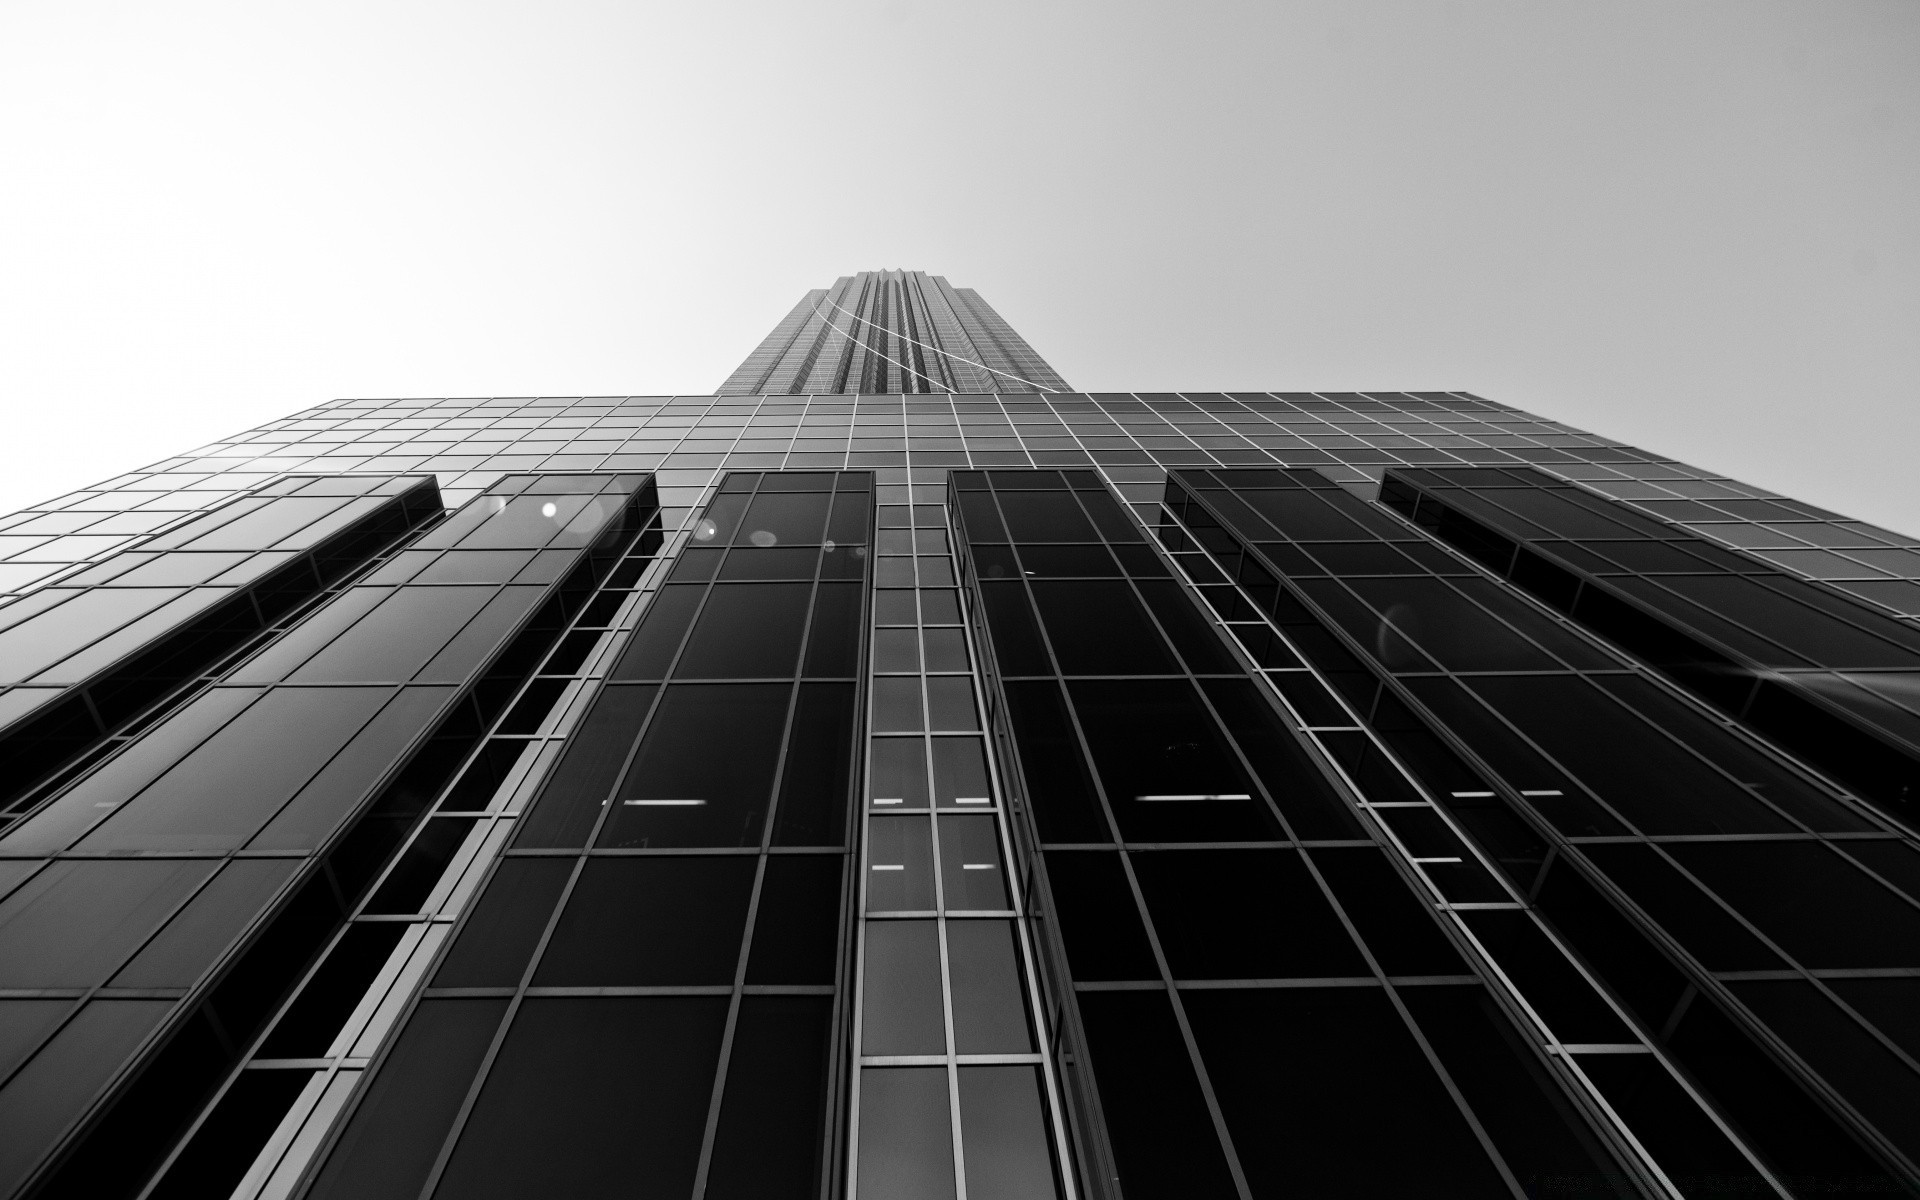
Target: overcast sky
(1692, 226)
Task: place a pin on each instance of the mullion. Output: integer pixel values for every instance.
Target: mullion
(1327, 894)
(1229, 1154)
(518, 994)
(1508, 990)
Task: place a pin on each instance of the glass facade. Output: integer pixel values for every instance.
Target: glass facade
(898, 775)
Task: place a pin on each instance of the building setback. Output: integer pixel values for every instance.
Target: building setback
(898, 775)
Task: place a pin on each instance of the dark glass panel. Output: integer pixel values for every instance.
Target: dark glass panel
(1457, 633)
(1684, 912)
(899, 772)
(1058, 790)
(1016, 645)
(896, 650)
(796, 931)
(982, 517)
(705, 769)
(195, 939)
(1166, 766)
(1561, 513)
(1240, 914)
(1107, 513)
(72, 924)
(475, 566)
(901, 1009)
(1309, 697)
(54, 826)
(989, 1005)
(851, 515)
(938, 607)
(1813, 903)
(221, 1152)
(577, 792)
(396, 639)
(1651, 780)
(960, 771)
(1552, 793)
(647, 922)
(1769, 1108)
(747, 631)
(536, 521)
(991, 561)
(498, 940)
(897, 706)
(946, 649)
(1157, 1119)
(1003, 1125)
(266, 525)
(1394, 921)
(1094, 911)
(327, 1000)
(1825, 641)
(1547, 1145)
(784, 519)
(696, 564)
(1333, 1053)
(658, 638)
(38, 1103)
(906, 1133)
(950, 703)
(1898, 862)
(1098, 628)
(1558, 639)
(899, 864)
(772, 1132)
(1552, 986)
(1615, 948)
(1189, 631)
(1299, 514)
(717, 525)
(24, 1024)
(1735, 757)
(1057, 561)
(1045, 517)
(784, 562)
(1348, 559)
(221, 793)
(1307, 801)
(970, 868)
(561, 1114)
(313, 814)
(1892, 1004)
(44, 638)
(1692, 1151)
(804, 481)
(817, 780)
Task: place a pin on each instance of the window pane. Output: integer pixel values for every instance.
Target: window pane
(562, 1112)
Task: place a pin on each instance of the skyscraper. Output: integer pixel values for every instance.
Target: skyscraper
(899, 775)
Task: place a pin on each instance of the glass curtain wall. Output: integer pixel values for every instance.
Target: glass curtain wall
(1590, 783)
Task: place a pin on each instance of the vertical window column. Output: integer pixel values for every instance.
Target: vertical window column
(955, 1096)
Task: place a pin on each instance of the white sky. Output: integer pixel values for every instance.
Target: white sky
(1691, 226)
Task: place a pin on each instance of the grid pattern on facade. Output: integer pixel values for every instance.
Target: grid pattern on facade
(1261, 804)
(189, 880)
(955, 1097)
(892, 331)
(1166, 793)
(1827, 677)
(88, 664)
(1133, 439)
(671, 908)
(1620, 785)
